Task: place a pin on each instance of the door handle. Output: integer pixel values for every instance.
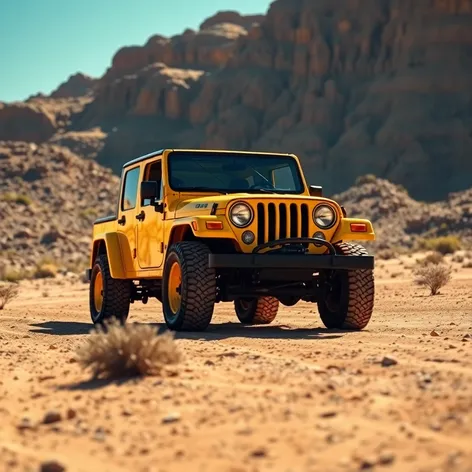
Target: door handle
(141, 216)
(122, 220)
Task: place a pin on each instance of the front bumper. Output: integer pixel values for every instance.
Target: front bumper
(290, 261)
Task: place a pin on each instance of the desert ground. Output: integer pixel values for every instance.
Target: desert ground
(291, 396)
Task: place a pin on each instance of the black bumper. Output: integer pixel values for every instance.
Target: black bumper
(289, 261)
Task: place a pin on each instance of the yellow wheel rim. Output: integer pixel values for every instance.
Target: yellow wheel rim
(98, 291)
(174, 286)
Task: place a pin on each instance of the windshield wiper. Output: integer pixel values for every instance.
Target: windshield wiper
(202, 189)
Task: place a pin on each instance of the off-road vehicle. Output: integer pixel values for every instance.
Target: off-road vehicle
(196, 227)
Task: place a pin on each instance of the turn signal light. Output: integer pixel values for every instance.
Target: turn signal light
(358, 228)
(214, 225)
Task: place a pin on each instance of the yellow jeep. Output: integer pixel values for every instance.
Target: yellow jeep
(197, 227)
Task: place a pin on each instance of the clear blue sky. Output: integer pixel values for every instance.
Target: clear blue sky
(42, 42)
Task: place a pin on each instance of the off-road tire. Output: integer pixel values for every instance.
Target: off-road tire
(262, 310)
(116, 294)
(356, 302)
(198, 287)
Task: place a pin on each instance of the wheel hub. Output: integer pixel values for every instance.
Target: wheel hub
(98, 291)
(174, 289)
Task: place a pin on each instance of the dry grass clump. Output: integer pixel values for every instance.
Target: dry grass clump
(7, 294)
(443, 244)
(433, 276)
(45, 271)
(116, 351)
(432, 258)
(386, 254)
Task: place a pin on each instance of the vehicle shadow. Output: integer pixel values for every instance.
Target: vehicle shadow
(61, 328)
(216, 332)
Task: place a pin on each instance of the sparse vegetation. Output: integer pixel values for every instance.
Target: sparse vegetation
(17, 198)
(7, 294)
(443, 244)
(116, 351)
(366, 179)
(386, 254)
(433, 276)
(432, 258)
(13, 276)
(467, 265)
(45, 271)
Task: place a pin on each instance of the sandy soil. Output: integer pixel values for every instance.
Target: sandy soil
(289, 397)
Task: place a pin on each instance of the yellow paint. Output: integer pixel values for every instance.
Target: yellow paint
(186, 211)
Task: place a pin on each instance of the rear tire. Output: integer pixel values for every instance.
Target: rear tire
(348, 301)
(254, 311)
(188, 287)
(109, 298)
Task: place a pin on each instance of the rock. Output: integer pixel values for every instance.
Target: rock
(388, 362)
(52, 466)
(434, 333)
(52, 417)
(26, 122)
(71, 413)
(171, 418)
(25, 423)
(77, 85)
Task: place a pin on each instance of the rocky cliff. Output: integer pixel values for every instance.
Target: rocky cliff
(351, 86)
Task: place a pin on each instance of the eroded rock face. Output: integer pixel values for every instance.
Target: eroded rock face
(27, 122)
(77, 85)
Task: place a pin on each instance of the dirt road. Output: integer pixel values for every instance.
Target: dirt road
(288, 397)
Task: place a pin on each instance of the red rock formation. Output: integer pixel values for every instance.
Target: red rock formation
(26, 121)
(77, 85)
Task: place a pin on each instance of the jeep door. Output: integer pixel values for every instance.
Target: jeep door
(127, 211)
(149, 223)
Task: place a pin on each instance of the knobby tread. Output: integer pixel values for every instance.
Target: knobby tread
(116, 295)
(198, 286)
(361, 291)
(262, 310)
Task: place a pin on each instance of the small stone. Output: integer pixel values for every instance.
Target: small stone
(52, 417)
(328, 414)
(52, 466)
(71, 414)
(388, 362)
(434, 333)
(25, 423)
(259, 452)
(171, 418)
(386, 458)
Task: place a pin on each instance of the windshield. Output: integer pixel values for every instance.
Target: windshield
(230, 173)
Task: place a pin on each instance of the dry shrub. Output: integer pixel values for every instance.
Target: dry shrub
(7, 294)
(432, 258)
(434, 276)
(116, 351)
(444, 244)
(386, 254)
(45, 271)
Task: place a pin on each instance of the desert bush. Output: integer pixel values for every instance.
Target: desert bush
(7, 294)
(432, 258)
(13, 276)
(433, 276)
(386, 254)
(366, 179)
(443, 244)
(459, 258)
(467, 265)
(17, 198)
(45, 271)
(117, 351)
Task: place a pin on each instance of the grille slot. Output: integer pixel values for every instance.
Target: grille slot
(281, 220)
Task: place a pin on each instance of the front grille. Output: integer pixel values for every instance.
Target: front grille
(281, 220)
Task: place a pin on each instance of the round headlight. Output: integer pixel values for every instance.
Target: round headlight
(324, 216)
(241, 215)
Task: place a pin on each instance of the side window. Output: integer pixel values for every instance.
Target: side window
(130, 192)
(154, 174)
(283, 178)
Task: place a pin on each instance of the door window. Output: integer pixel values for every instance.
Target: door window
(154, 174)
(130, 191)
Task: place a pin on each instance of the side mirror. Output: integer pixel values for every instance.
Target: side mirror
(316, 191)
(150, 191)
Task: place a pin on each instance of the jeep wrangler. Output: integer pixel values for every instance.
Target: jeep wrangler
(196, 227)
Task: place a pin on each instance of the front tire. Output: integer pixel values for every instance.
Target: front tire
(253, 311)
(347, 299)
(109, 298)
(188, 287)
